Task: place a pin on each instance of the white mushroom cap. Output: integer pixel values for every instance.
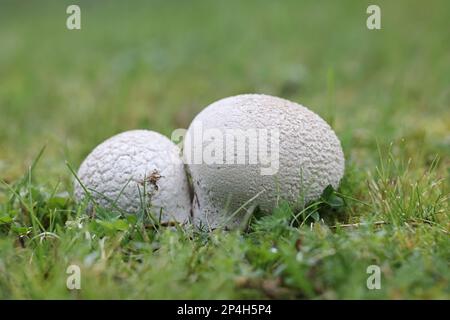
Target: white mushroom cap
(137, 168)
(310, 158)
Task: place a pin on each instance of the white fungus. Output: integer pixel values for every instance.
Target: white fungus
(135, 169)
(305, 157)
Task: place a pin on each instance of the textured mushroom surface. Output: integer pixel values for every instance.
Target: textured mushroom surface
(135, 169)
(310, 159)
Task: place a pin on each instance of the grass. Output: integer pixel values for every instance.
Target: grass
(155, 65)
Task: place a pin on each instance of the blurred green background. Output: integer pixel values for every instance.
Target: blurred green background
(155, 64)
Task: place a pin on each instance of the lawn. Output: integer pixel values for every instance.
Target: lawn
(155, 65)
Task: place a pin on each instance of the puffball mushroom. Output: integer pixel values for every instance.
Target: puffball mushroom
(134, 169)
(306, 157)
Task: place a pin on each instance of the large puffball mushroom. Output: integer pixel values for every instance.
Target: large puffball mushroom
(135, 169)
(297, 156)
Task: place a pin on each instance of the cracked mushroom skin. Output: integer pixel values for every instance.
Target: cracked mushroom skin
(310, 158)
(137, 168)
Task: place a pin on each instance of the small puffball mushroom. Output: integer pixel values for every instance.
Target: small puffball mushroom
(135, 169)
(295, 156)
